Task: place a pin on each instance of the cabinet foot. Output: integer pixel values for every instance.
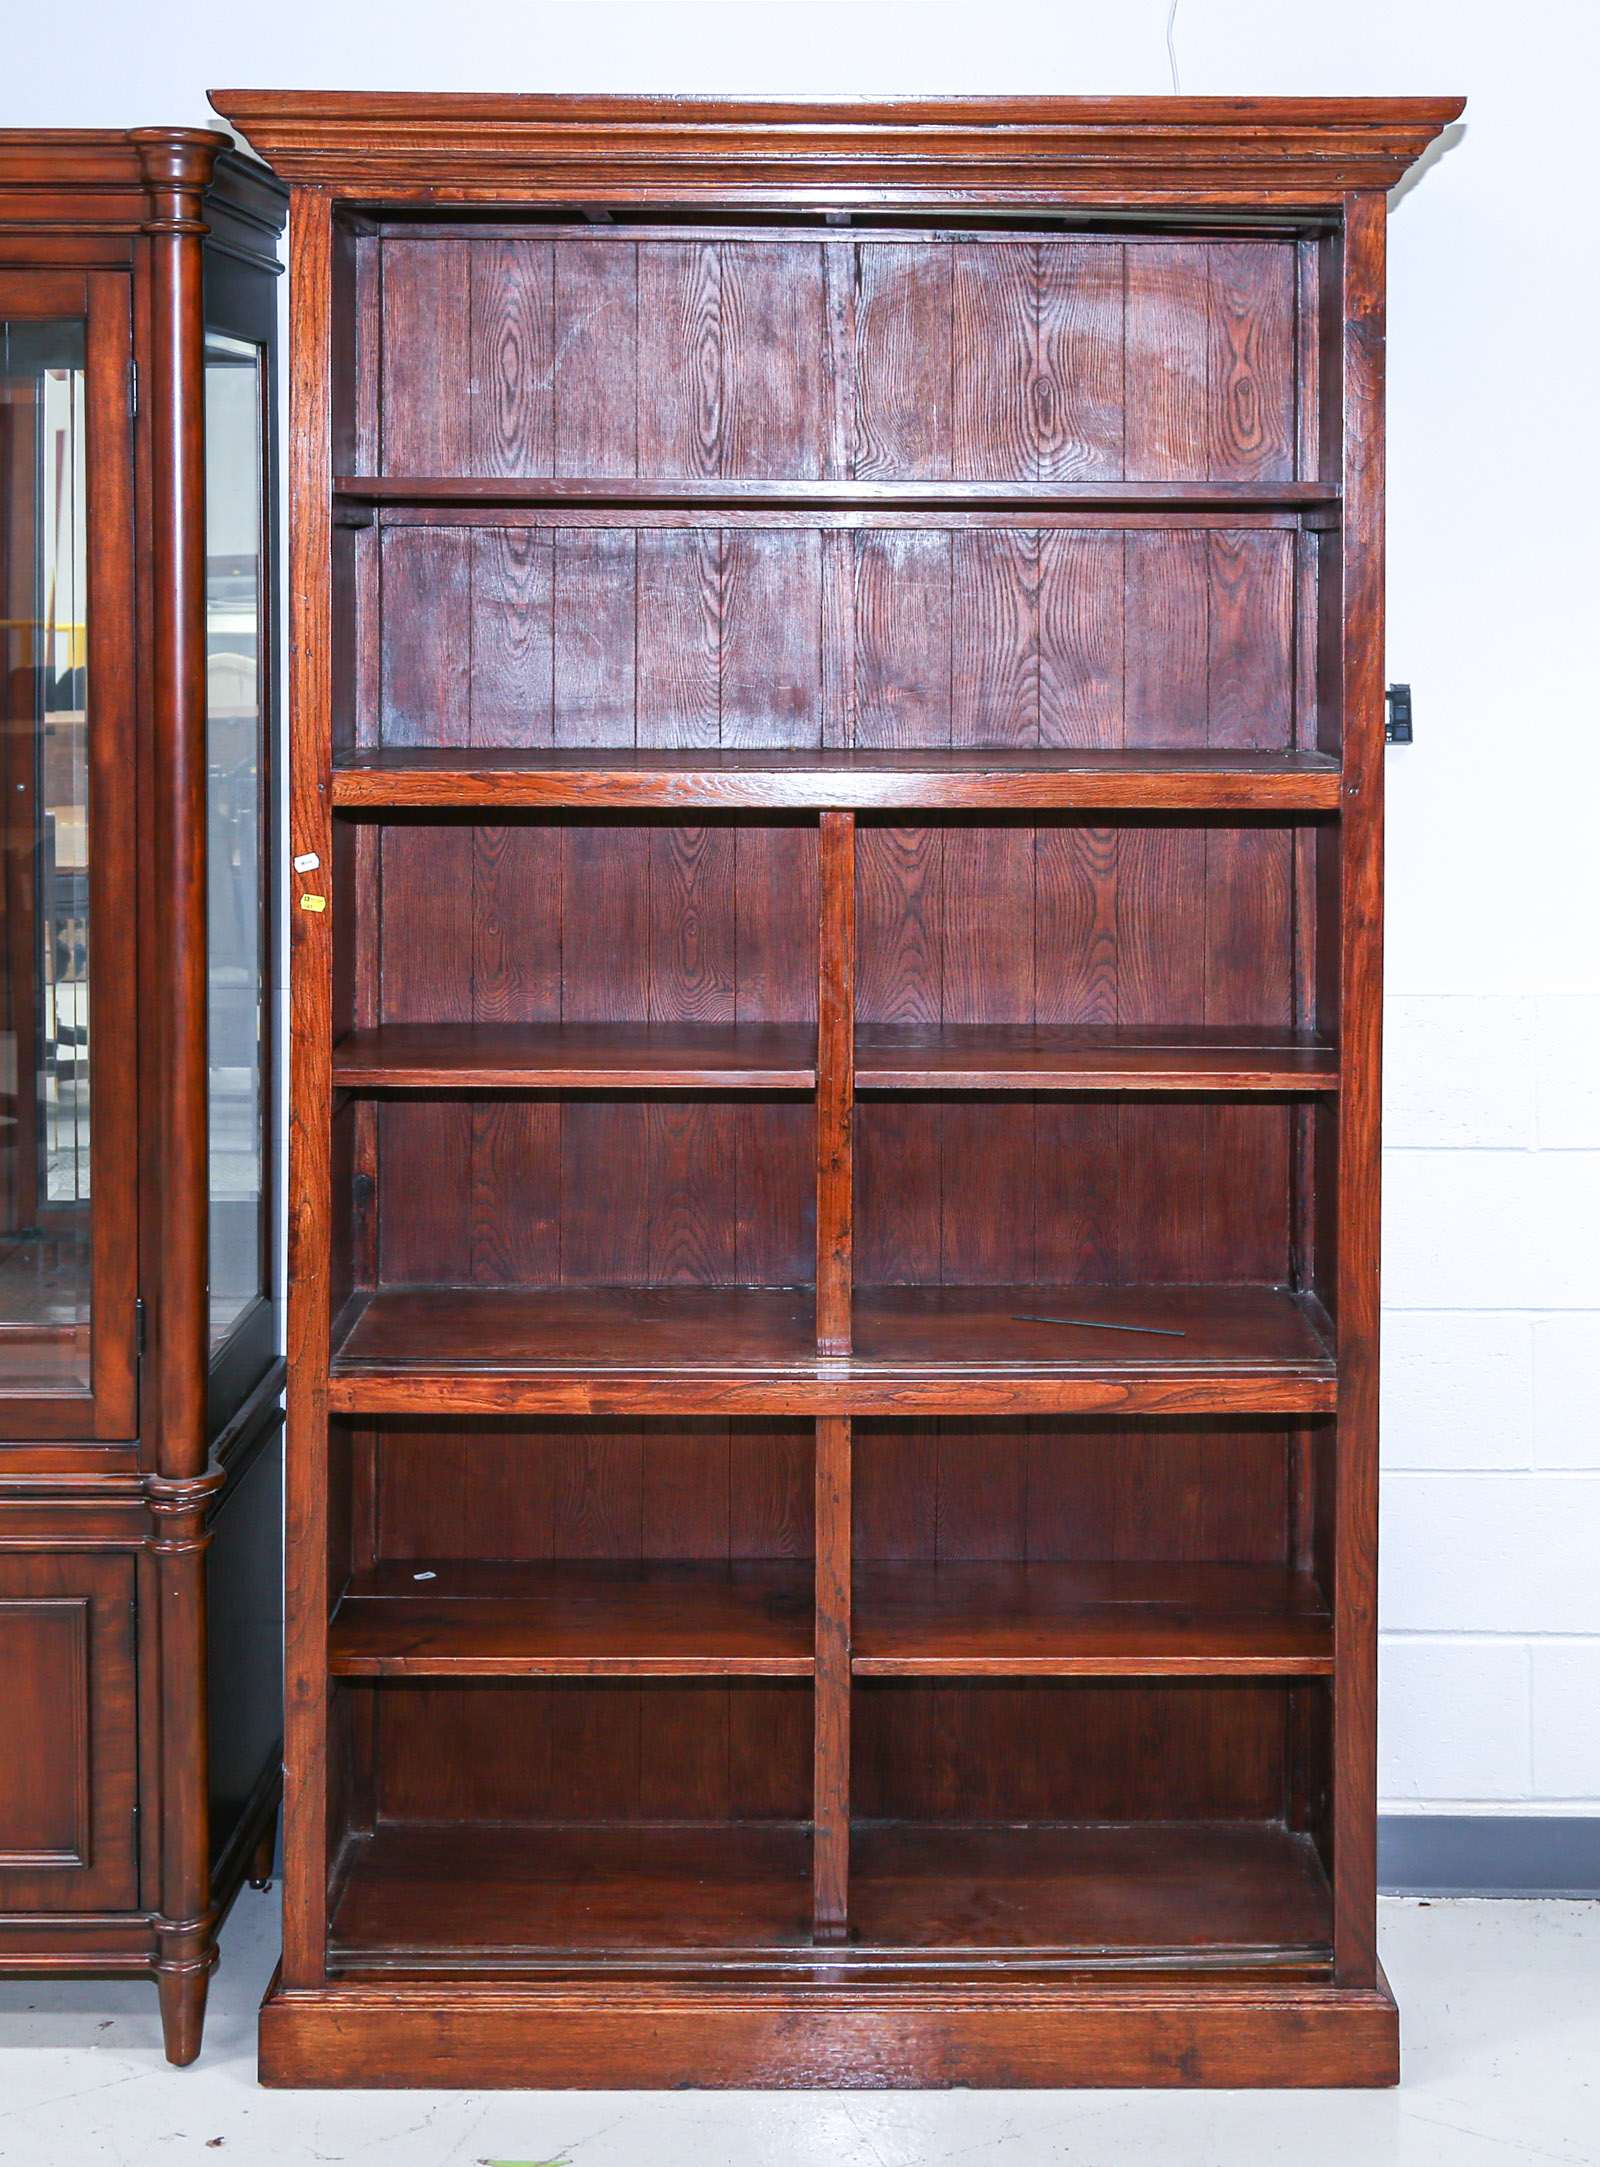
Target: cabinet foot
(264, 1854)
(182, 1988)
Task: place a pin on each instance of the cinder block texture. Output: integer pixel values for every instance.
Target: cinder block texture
(1459, 1072)
(1491, 1229)
(1566, 1721)
(1566, 1391)
(1490, 1554)
(1568, 1072)
(1452, 1720)
(1457, 1389)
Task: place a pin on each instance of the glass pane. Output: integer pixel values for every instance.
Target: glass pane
(44, 832)
(236, 927)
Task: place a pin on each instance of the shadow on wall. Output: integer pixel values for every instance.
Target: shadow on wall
(1446, 140)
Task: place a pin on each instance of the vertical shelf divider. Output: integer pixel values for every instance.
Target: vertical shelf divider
(836, 1078)
(830, 1843)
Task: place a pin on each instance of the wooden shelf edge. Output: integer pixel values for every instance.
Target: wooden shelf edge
(619, 490)
(622, 1057)
(359, 1076)
(1305, 784)
(584, 1057)
(1092, 1666)
(599, 1666)
(709, 1392)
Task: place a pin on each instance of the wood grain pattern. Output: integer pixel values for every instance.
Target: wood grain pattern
(1360, 309)
(631, 1490)
(905, 1336)
(306, 1545)
(1191, 2028)
(1218, 1886)
(924, 779)
(831, 1694)
(655, 1620)
(993, 359)
(1035, 1749)
(566, 1056)
(1006, 1619)
(646, 499)
(835, 1101)
(962, 930)
(1053, 1057)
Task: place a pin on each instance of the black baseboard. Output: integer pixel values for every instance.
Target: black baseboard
(1484, 1854)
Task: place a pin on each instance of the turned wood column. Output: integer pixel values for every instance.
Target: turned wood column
(176, 166)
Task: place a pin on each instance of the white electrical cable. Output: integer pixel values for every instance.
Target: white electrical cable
(1172, 49)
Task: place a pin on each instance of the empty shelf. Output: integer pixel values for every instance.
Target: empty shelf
(969, 1620)
(753, 1350)
(579, 1057)
(1248, 1890)
(1130, 1329)
(452, 1618)
(1030, 1057)
(434, 1892)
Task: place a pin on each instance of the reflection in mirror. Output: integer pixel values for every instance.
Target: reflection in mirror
(44, 836)
(236, 1020)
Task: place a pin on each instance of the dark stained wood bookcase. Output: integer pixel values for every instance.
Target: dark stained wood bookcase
(141, 1371)
(838, 728)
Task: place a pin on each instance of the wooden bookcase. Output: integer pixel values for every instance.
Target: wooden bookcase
(838, 722)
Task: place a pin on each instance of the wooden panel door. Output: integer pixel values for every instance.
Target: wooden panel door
(69, 1719)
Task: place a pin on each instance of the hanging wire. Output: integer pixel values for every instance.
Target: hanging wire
(1172, 47)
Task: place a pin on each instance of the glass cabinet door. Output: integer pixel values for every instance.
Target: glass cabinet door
(44, 971)
(237, 657)
(66, 1206)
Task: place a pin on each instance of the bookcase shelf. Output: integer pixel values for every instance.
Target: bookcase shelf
(578, 1057)
(971, 1619)
(783, 1057)
(1041, 1057)
(617, 491)
(405, 778)
(1250, 1349)
(1120, 1898)
(455, 1618)
(837, 791)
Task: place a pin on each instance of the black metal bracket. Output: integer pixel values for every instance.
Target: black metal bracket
(1397, 731)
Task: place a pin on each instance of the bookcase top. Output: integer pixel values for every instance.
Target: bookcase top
(847, 154)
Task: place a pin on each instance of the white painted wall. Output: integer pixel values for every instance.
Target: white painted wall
(1492, 1414)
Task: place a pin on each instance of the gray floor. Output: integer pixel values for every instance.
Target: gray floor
(1501, 2007)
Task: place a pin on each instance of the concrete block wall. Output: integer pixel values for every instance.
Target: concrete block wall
(1490, 1668)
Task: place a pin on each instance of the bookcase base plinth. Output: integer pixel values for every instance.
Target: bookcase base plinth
(1185, 2030)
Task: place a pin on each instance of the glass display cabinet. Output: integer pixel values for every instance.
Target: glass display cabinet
(140, 1369)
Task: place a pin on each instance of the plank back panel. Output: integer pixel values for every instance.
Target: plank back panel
(999, 358)
(586, 921)
(522, 634)
(1001, 922)
(1038, 1751)
(1046, 1490)
(521, 1491)
(544, 1751)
